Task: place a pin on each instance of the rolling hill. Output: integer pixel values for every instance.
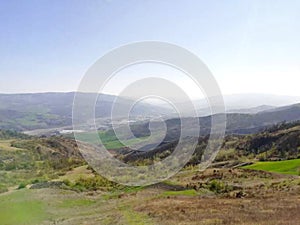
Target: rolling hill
(49, 110)
(237, 123)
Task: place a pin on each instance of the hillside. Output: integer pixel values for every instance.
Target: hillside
(237, 123)
(74, 194)
(50, 110)
(29, 158)
(44, 180)
(279, 142)
(25, 159)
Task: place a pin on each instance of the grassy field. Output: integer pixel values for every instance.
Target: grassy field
(21, 207)
(192, 197)
(55, 206)
(110, 141)
(285, 167)
(181, 193)
(161, 204)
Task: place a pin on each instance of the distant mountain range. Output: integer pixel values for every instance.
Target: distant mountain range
(240, 103)
(47, 110)
(237, 123)
(23, 112)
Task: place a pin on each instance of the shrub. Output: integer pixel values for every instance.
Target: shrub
(21, 186)
(219, 187)
(67, 182)
(61, 173)
(92, 183)
(216, 186)
(35, 181)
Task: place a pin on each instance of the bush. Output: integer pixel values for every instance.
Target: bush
(92, 183)
(61, 173)
(35, 181)
(21, 186)
(67, 182)
(219, 187)
(38, 180)
(216, 186)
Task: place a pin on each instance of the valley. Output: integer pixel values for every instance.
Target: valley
(253, 180)
(149, 112)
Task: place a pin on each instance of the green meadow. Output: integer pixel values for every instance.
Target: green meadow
(284, 167)
(109, 140)
(20, 207)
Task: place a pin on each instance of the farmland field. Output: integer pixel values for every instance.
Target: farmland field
(110, 141)
(285, 167)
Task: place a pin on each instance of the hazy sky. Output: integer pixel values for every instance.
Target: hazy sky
(250, 46)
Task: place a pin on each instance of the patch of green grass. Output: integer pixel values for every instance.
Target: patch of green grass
(134, 218)
(69, 203)
(191, 192)
(76, 173)
(21, 208)
(6, 145)
(3, 189)
(284, 167)
(133, 189)
(21, 186)
(171, 183)
(109, 139)
(117, 192)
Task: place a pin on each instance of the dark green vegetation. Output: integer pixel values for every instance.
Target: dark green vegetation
(8, 134)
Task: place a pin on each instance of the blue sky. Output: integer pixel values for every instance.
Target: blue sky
(250, 46)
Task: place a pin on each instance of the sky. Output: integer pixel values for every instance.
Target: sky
(249, 46)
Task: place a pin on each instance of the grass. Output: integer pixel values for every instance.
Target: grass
(76, 173)
(6, 145)
(284, 167)
(21, 208)
(151, 205)
(120, 191)
(191, 193)
(70, 203)
(22, 164)
(51, 206)
(109, 140)
(134, 218)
